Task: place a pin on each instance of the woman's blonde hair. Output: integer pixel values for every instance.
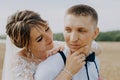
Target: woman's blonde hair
(19, 26)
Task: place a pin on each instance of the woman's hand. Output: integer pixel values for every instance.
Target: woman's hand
(58, 46)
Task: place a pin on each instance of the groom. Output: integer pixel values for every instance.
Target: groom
(80, 29)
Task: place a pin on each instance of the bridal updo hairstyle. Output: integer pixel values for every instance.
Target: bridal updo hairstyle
(19, 26)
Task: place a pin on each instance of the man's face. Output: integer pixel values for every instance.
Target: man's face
(79, 31)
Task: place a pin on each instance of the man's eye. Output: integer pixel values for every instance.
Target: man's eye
(47, 29)
(68, 30)
(40, 39)
(81, 30)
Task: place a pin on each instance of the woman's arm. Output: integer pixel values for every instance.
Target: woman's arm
(58, 46)
(21, 69)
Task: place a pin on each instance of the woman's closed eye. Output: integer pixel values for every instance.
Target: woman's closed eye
(39, 39)
(47, 29)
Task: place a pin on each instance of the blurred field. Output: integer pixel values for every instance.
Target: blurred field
(2, 52)
(110, 57)
(110, 60)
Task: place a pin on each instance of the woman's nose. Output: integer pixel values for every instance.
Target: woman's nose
(48, 37)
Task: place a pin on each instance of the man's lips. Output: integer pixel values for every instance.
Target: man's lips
(74, 45)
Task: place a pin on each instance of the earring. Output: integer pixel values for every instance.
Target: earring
(30, 54)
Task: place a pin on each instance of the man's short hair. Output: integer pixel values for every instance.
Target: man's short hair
(83, 10)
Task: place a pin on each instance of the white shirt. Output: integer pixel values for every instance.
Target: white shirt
(50, 68)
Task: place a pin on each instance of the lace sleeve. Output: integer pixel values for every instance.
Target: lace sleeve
(94, 45)
(22, 69)
(96, 48)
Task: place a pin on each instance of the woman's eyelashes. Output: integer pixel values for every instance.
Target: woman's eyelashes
(47, 29)
(40, 39)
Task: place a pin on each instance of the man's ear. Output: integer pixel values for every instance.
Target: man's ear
(96, 32)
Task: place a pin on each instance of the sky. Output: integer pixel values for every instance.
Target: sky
(53, 11)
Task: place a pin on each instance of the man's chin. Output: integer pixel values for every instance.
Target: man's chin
(73, 50)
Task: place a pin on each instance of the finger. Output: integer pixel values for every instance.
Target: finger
(86, 47)
(81, 56)
(79, 51)
(54, 51)
(83, 49)
(62, 48)
(80, 59)
(83, 63)
(49, 54)
(69, 54)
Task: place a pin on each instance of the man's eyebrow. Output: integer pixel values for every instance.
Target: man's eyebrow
(67, 26)
(81, 28)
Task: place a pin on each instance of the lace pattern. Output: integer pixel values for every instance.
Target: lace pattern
(23, 69)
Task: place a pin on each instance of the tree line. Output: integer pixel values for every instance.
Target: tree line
(103, 36)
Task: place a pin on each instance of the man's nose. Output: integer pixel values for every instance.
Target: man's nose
(74, 37)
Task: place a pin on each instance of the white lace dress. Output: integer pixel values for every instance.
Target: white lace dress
(16, 67)
(23, 69)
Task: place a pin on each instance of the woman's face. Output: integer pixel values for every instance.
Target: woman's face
(41, 39)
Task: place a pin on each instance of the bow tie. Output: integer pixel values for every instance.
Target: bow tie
(91, 57)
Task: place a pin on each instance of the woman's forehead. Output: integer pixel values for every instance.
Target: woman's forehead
(37, 30)
(40, 27)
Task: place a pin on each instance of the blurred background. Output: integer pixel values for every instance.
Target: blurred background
(53, 11)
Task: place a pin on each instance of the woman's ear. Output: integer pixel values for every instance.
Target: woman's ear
(96, 32)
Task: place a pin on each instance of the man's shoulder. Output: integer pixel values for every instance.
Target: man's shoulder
(55, 59)
(50, 67)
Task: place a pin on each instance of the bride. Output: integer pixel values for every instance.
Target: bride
(32, 43)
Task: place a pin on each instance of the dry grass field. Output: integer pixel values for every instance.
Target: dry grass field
(2, 52)
(109, 59)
